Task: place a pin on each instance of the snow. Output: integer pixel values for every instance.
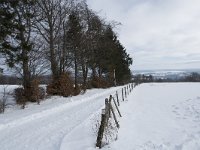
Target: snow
(161, 117)
(155, 116)
(7, 90)
(44, 127)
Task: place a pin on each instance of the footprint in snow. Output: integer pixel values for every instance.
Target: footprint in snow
(176, 108)
(179, 147)
(184, 118)
(174, 111)
(188, 100)
(151, 146)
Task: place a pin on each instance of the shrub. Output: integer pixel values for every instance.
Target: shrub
(19, 96)
(77, 90)
(99, 82)
(42, 93)
(34, 91)
(1, 107)
(63, 86)
(36, 94)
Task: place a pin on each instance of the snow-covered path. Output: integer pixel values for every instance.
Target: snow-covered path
(43, 127)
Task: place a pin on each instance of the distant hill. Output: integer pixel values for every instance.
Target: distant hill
(166, 73)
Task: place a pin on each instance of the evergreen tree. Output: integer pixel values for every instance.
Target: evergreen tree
(74, 37)
(16, 42)
(6, 16)
(96, 52)
(113, 58)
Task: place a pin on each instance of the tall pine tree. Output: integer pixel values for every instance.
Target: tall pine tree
(16, 44)
(74, 37)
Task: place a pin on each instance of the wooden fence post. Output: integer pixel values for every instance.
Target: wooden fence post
(107, 111)
(122, 94)
(110, 99)
(104, 123)
(125, 92)
(117, 98)
(101, 129)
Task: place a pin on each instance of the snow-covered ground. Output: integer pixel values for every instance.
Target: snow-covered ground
(43, 127)
(155, 116)
(163, 116)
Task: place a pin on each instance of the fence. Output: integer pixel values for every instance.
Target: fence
(108, 111)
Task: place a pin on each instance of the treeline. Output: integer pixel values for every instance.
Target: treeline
(192, 77)
(64, 38)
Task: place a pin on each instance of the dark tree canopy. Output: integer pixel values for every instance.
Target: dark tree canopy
(68, 37)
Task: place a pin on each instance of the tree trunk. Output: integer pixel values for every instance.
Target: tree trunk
(93, 72)
(25, 69)
(54, 66)
(63, 59)
(100, 72)
(85, 73)
(75, 74)
(26, 80)
(76, 68)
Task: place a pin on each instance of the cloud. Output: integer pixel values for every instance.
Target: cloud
(157, 33)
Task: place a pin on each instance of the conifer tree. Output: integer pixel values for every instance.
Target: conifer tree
(113, 57)
(6, 16)
(16, 42)
(74, 37)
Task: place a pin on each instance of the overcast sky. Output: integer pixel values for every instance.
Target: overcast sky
(159, 34)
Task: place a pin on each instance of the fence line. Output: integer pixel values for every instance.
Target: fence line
(109, 111)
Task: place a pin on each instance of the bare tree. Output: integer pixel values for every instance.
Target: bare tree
(38, 64)
(51, 16)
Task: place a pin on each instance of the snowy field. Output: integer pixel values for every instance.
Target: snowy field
(155, 116)
(163, 116)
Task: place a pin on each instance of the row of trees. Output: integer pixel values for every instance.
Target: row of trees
(60, 36)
